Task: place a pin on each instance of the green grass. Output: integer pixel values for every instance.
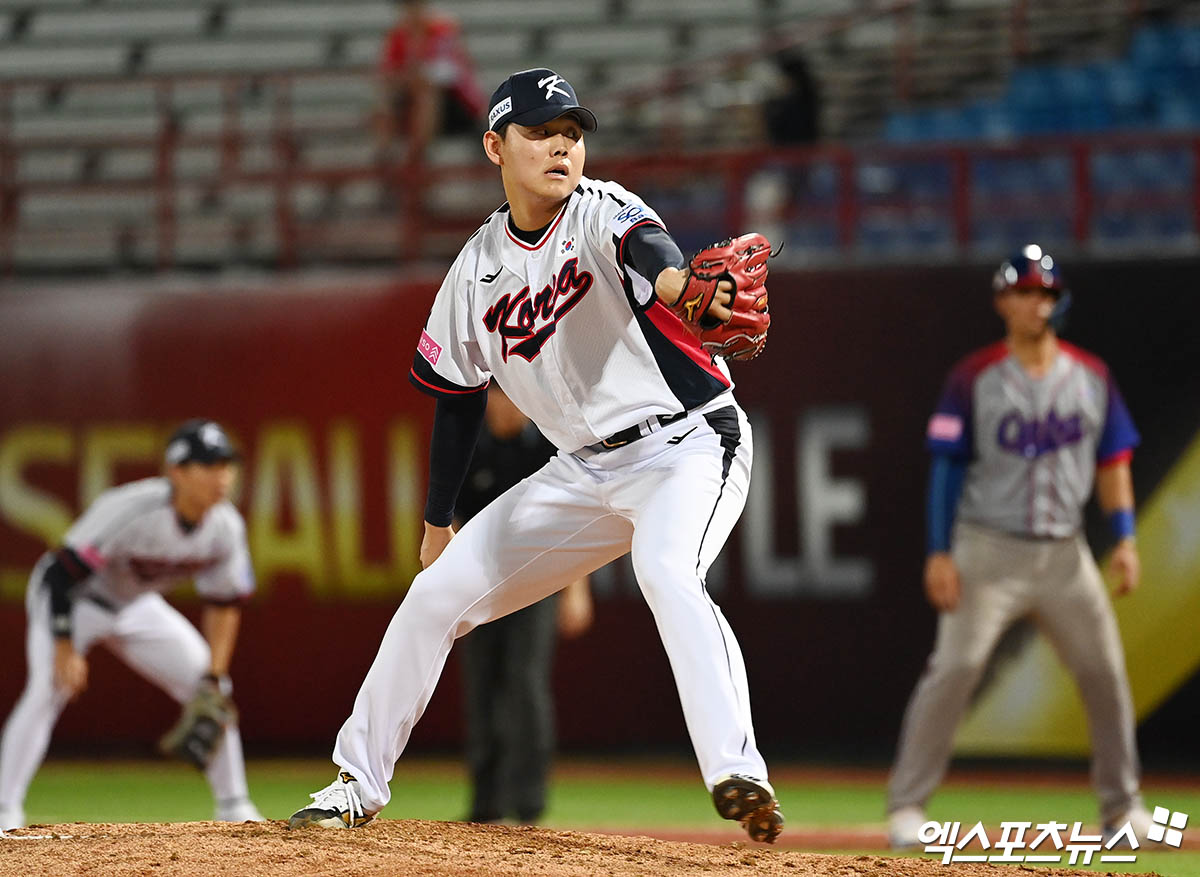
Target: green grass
(583, 796)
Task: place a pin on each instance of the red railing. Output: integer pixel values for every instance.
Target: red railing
(843, 208)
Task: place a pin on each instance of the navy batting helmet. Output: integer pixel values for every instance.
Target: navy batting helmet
(1031, 267)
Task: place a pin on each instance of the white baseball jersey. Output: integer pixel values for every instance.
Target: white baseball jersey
(576, 338)
(1034, 443)
(132, 539)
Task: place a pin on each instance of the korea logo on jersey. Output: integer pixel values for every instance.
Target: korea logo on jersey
(567, 246)
(525, 324)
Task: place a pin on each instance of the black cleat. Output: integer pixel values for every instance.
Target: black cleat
(752, 803)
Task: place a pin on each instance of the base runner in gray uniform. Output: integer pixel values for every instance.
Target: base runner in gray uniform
(1023, 430)
(103, 587)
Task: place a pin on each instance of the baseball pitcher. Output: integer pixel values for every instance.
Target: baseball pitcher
(577, 300)
(1024, 429)
(104, 586)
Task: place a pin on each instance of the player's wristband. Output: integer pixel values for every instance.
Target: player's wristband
(222, 684)
(1121, 522)
(60, 626)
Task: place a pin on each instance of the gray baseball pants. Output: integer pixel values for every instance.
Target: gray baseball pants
(1005, 578)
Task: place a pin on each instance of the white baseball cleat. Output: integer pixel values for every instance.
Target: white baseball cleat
(11, 817)
(904, 827)
(338, 805)
(239, 810)
(1139, 820)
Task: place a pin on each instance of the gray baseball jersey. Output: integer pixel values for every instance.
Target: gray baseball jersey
(1034, 443)
(132, 539)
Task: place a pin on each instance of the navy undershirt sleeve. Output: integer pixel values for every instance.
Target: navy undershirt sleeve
(456, 425)
(60, 577)
(649, 248)
(946, 476)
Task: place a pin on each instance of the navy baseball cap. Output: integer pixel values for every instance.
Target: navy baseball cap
(1029, 268)
(533, 97)
(200, 441)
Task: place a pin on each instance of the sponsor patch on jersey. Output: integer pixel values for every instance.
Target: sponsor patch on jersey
(945, 427)
(629, 216)
(429, 348)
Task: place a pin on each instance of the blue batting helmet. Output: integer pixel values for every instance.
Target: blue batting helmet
(1031, 267)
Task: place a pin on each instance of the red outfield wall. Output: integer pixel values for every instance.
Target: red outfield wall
(821, 579)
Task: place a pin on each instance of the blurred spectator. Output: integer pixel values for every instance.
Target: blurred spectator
(507, 663)
(428, 81)
(792, 116)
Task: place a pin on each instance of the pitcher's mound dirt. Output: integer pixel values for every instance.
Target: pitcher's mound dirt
(408, 847)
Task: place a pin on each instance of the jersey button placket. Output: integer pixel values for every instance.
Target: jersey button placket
(536, 269)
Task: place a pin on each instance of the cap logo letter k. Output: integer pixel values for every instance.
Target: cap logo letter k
(550, 83)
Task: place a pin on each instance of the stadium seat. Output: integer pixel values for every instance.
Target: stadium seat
(1153, 47)
(114, 23)
(903, 127)
(50, 166)
(22, 62)
(374, 17)
(683, 10)
(236, 56)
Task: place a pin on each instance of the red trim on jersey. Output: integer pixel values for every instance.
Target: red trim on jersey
(91, 556)
(1116, 459)
(550, 231)
(976, 362)
(416, 377)
(675, 332)
(1090, 361)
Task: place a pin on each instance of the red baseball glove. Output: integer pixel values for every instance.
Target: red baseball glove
(743, 262)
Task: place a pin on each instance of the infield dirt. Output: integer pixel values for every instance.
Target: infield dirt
(410, 847)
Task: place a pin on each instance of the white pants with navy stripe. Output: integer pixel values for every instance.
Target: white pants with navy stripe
(670, 498)
(150, 636)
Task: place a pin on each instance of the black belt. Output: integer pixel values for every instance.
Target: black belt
(631, 434)
(100, 601)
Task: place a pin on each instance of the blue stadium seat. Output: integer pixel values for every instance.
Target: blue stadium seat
(902, 127)
(1178, 110)
(925, 180)
(1032, 88)
(812, 237)
(821, 183)
(951, 123)
(881, 234)
(1115, 227)
(994, 120)
(1153, 47)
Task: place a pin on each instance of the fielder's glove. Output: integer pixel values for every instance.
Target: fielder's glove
(201, 727)
(743, 262)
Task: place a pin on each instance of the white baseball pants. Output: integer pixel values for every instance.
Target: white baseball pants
(151, 637)
(670, 498)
